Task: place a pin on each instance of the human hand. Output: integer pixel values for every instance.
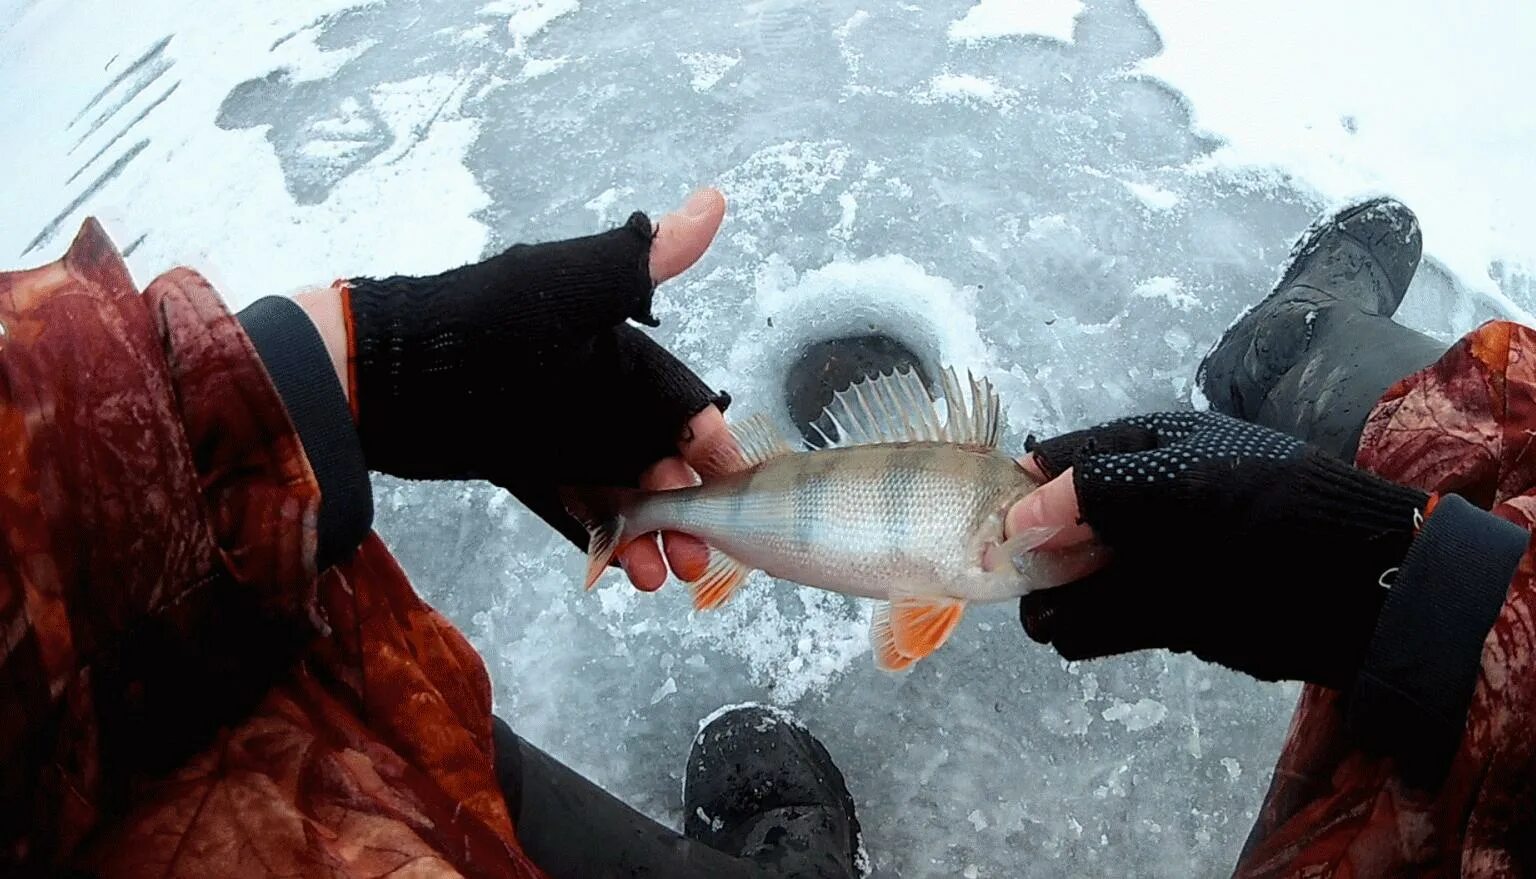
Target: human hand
(436, 366)
(1239, 544)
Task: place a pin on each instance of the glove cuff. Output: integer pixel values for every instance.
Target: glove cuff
(1351, 499)
(1422, 668)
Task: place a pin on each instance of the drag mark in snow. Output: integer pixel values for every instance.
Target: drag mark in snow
(96, 185)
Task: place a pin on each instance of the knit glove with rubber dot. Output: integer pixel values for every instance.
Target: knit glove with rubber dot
(1228, 540)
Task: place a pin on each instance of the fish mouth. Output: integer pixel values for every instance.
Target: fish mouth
(823, 368)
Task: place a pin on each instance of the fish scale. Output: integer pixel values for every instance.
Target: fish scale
(904, 508)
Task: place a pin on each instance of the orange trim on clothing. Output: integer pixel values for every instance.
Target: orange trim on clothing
(345, 289)
(1429, 509)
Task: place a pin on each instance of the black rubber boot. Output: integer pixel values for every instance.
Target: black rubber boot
(760, 786)
(1314, 357)
(827, 367)
(574, 829)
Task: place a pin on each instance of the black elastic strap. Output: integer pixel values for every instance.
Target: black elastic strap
(300, 368)
(1413, 692)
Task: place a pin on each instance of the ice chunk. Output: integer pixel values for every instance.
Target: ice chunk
(1143, 714)
(665, 690)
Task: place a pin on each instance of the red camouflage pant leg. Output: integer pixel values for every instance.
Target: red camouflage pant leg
(1466, 425)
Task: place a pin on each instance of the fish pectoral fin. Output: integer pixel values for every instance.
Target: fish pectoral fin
(720, 579)
(921, 624)
(883, 641)
(1000, 556)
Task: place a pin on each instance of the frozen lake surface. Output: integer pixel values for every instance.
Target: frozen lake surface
(1071, 196)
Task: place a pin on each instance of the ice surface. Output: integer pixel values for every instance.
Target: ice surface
(1038, 191)
(1352, 99)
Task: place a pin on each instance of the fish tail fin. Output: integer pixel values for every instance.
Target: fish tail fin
(601, 512)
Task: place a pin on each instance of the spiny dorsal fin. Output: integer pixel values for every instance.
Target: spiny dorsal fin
(981, 422)
(898, 408)
(759, 440)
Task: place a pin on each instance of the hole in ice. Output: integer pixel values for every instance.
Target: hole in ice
(826, 367)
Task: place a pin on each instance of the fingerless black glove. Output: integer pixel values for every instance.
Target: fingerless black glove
(521, 370)
(1234, 542)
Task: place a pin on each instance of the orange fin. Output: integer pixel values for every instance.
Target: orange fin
(883, 641)
(921, 624)
(599, 511)
(720, 579)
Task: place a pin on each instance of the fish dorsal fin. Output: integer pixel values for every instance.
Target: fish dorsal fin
(759, 440)
(898, 408)
(981, 422)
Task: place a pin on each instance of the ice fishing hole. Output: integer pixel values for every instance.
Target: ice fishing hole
(826, 367)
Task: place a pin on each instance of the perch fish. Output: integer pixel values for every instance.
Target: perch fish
(901, 507)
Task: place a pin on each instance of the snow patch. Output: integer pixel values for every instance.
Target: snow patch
(850, 209)
(262, 243)
(997, 19)
(1234, 769)
(527, 18)
(1143, 714)
(1447, 133)
(1198, 401)
(534, 68)
(777, 178)
(967, 88)
(707, 68)
(604, 202)
(1168, 289)
(773, 711)
(1154, 197)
